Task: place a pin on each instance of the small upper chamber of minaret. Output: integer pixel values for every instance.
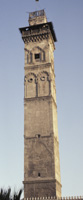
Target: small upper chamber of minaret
(37, 17)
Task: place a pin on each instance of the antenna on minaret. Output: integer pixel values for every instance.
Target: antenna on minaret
(37, 8)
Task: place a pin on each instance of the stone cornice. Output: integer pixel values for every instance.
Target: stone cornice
(45, 65)
(42, 180)
(38, 37)
(49, 97)
(35, 38)
(41, 66)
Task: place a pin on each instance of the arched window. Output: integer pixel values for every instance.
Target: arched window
(43, 84)
(30, 85)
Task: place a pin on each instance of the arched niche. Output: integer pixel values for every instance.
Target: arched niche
(28, 56)
(43, 84)
(30, 85)
(38, 54)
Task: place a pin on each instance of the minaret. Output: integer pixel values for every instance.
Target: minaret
(41, 143)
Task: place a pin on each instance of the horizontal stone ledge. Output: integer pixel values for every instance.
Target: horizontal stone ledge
(39, 181)
(38, 98)
(37, 66)
(39, 138)
(49, 180)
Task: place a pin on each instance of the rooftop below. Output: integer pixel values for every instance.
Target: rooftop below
(54, 198)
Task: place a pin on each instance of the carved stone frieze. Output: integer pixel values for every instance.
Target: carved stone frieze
(39, 83)
(35, 38)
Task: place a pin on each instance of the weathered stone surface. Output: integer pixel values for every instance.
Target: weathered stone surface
(41, 144)
(38, 189)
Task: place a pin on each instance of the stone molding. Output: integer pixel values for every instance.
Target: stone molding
(27, 138)
(38, 66)
(38, 75)
(42, 181)
(35, 38)
(40, 98)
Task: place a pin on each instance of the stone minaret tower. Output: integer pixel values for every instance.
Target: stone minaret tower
(41, 143)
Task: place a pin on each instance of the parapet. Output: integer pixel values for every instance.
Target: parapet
(54, 198)
(37, 17)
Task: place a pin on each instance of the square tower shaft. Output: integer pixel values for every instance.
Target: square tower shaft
(41, 143)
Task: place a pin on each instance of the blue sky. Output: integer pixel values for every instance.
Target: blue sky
(67, 18)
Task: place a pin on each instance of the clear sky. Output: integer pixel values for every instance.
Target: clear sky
(67, 18)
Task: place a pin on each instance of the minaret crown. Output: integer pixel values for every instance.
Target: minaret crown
(37, 17)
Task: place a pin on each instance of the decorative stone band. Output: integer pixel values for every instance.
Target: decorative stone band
(53, 198)
(35, 38)
(37, 77)
(40, 98)
(45, 65)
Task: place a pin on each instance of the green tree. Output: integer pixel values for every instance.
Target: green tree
(17, 195)
(6, 194)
